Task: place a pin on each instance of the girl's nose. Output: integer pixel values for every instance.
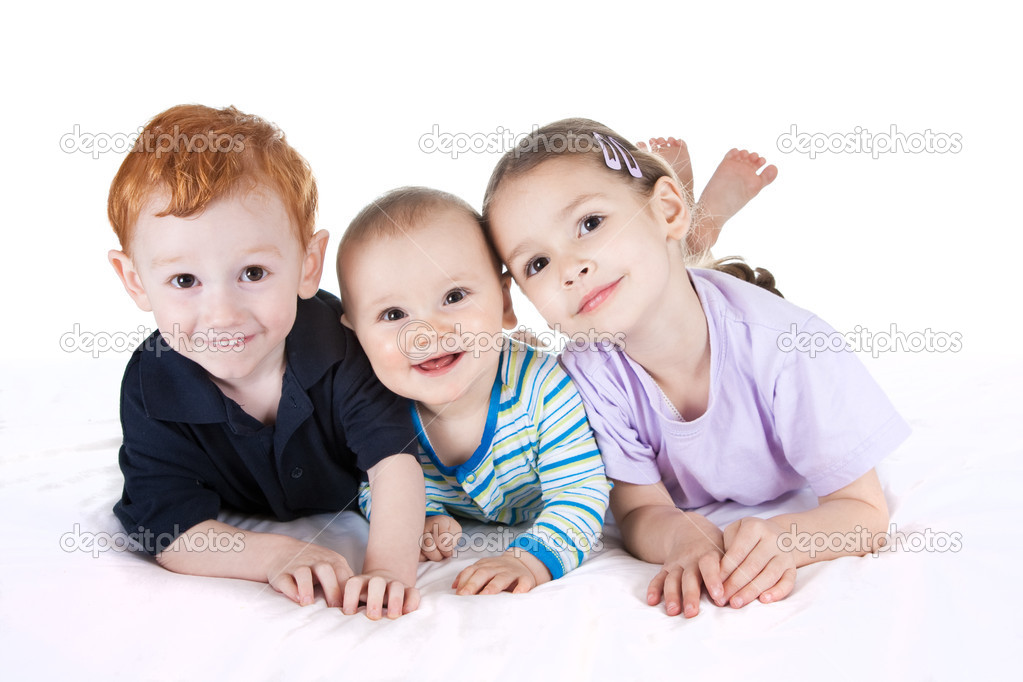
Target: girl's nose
(575, 274)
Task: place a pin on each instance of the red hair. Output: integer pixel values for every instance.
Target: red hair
(196, 155)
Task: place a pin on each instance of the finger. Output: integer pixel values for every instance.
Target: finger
(499, 583)
(691, 588)
(327, 578)
(655, 590)
(462, 577)
(780, 589)
(525, 584)
(411, 599)
(304, 581)
(673, 591)
(285, 584)
(428, 547)
(350, 598)
(395, 599)
(710, 570)
(375, 590)
(769, 574)
(476, 580)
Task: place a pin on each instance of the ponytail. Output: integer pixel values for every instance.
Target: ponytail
(736, 267)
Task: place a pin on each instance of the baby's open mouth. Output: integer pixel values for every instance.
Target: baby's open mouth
(439, 363)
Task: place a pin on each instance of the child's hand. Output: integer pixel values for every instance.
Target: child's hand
(754, 565)
(497, 574)
(440, 535)
(693, 561)
(294, 567)
(375, 589)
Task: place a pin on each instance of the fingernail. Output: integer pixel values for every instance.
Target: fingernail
(737, 602)
(765, 597)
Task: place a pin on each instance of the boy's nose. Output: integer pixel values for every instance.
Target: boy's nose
(223, 310)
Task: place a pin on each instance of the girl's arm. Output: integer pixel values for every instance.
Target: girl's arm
(762, 554)
(687, 544)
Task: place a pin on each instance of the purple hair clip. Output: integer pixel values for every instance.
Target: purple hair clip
(614, 159)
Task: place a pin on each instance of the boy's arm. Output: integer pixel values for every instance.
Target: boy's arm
(290, 566)
(392, 555)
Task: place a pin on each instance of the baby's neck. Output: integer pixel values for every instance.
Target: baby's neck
(455, 429)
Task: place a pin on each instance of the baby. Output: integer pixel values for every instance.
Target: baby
(503, 436)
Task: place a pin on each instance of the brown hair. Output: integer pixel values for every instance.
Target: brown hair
(196, 155)
(397, 212)
(579, 136)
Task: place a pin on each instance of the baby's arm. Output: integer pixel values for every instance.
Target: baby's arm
(290, 566)
(758, 565)
(687, 544)
(389, 572)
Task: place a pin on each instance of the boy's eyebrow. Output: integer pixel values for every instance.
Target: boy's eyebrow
(269, 249)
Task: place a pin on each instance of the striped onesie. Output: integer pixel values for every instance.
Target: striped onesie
(537, 463)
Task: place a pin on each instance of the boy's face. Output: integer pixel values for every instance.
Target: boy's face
(428, 307)
(223, 285)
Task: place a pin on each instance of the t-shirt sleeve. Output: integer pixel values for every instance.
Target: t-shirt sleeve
(604, 388)
(834, 421)
(376, 422)
(162, 495)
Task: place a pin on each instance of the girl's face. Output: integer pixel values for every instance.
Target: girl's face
(591, 253)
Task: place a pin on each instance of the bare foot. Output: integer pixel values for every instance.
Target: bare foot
(733, 184)
(676, 153)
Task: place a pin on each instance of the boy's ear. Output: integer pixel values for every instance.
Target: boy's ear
(668, 200)
(312, 265)
(508, 321)
(125, 270)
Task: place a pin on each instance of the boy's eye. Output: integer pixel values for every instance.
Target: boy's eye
(454, 296)
(590, 223)
(183, 281)
(253, 273)
(536, 265)
(393, 315)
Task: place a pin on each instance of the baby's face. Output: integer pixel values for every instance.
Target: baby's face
(222, 285)
(428, 307)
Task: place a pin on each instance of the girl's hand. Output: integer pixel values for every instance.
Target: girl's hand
(694, 561)
(440, 535)
(754, 565)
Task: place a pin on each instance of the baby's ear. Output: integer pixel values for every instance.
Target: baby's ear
(509, 320)
(129, 277)
(346, 322)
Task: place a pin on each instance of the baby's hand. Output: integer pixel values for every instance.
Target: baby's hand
(754, 565)
(497, 574)
(294, 566)
(440, 535)
(694, 561)
(376, 588)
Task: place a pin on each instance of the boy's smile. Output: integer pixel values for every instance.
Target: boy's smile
(428, 305)
(223, 285)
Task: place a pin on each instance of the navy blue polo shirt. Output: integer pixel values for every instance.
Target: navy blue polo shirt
(189, 450)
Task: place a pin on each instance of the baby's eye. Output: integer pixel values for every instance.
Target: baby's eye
(590, 223)
(393, 315)
(253, 273)
(454, 296)
(183, 281)
(536, 265)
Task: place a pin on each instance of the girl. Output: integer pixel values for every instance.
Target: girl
(702, 402)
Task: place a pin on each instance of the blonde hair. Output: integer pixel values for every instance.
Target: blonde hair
(582, 138)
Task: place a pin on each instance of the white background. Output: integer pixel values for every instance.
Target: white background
(920, 240)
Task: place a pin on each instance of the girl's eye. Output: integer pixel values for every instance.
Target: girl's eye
(454, 296)
(253, 273)
(393, 315)
(590, 223)
(183, 281)
(536, 265)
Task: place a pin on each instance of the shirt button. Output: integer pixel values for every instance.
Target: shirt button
(296, 472)
(471, 478)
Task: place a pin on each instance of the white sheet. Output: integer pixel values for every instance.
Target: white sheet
(903, 614)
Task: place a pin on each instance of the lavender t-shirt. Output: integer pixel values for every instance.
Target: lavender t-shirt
(776, 417)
